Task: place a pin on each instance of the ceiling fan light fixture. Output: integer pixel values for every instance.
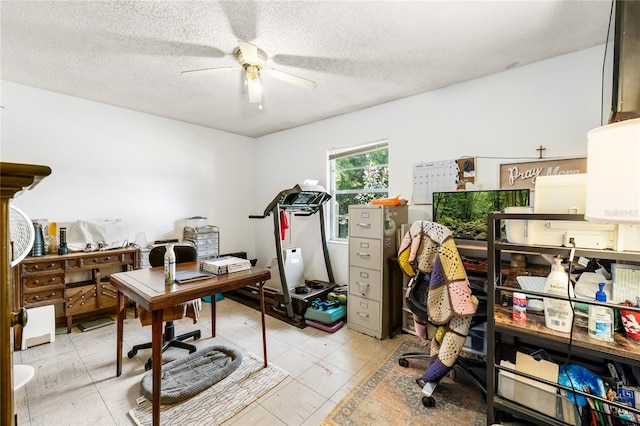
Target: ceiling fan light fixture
(254, 86)
(252, 61)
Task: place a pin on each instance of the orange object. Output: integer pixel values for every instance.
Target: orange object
(395, 201)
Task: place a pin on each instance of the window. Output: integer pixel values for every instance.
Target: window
(358, 175)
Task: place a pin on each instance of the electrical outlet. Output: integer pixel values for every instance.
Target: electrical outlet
(584, 240)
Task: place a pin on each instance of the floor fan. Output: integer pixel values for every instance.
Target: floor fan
(22, 235)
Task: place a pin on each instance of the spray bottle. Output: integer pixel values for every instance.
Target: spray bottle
(558, 313)
(169, 265)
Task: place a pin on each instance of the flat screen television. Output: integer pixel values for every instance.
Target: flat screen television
(465, 212)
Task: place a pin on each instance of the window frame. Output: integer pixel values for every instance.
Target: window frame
(335, 154)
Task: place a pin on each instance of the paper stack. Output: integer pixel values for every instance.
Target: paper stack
(225, 265)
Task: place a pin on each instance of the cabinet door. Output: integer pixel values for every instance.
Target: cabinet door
(82, 299)
(107, 296)
(365, 222)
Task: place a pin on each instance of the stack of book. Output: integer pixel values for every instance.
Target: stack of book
(225, 265)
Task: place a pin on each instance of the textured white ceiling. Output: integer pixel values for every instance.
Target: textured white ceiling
(361, 53)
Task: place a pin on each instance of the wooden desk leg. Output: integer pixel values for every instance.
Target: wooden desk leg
(156, 363)
(119, 333)
(213, 315)
(264, 329)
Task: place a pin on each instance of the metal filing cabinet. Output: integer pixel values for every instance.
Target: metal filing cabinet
(372, 241)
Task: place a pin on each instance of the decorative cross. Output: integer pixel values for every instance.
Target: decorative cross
(540, 149)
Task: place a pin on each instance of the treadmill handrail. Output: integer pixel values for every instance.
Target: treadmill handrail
(293, 207)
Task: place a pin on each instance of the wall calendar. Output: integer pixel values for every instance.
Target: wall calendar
(434, 177)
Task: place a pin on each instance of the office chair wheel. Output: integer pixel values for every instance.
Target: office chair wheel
(428, 401)
(132, 353)
(148, 365)
(403, 362)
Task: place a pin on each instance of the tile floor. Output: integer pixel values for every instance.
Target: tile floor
(75, 383)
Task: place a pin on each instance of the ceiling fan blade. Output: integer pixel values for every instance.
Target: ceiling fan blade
(211, 70)
(293, 79)
(249, 52)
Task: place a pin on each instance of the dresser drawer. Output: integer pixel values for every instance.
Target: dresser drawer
(45, 296)
(100, 260)
(80, 299)
(364, 313)
(365, 252)
(365, 282)
(43, 266)
(36, 282)
(365, 222)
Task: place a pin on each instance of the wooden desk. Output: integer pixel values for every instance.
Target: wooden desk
(146, 287)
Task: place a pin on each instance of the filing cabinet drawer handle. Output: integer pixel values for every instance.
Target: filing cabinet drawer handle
(362, 314)
(363, 288)
(367, 255)
(364, 225)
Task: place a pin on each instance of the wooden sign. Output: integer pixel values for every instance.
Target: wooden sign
(523, 175)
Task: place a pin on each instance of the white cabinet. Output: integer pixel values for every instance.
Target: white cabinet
(373, 300)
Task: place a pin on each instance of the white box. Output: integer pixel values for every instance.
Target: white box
(40, 328)
(293, 267)
(225, 265)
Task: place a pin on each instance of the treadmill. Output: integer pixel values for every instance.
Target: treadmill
(301, 200)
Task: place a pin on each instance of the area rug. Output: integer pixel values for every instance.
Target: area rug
(221, 401)
(390, 396)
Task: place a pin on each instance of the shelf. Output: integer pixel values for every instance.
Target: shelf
(626, 256)
(536, 331)
(503, 331)
(523, 412)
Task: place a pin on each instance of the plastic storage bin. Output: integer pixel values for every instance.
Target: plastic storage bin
(476, 342)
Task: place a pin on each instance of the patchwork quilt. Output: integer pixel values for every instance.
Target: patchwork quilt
(429, 247)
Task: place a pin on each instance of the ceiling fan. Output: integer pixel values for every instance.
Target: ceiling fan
(252, 61)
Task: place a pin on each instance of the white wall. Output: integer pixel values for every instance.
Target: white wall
(501, 118)
(109, 162)
(153, 172)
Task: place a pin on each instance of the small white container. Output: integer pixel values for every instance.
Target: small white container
(517, 230)
(558, 313)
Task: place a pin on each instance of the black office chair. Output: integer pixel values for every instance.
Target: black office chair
(183, 253)
(474, 368)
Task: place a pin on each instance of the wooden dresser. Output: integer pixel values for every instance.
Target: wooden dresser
(80, 280)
